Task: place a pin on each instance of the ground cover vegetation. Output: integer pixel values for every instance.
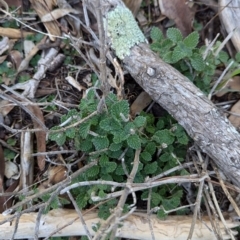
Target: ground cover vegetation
(100, 127)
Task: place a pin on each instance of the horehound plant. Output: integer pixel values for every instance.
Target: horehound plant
(111, 140)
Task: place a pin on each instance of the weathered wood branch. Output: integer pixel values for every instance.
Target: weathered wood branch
(229, 16)
(209, 128)
(134, 227)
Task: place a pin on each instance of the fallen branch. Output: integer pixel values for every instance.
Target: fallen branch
(135, 226)
(209, 128)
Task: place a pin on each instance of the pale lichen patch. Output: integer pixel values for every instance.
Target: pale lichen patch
(123, 31)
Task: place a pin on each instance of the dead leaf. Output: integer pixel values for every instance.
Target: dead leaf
(56, 174)
(58, 13)
(14, 3)
(7, 80)
(4, 45)
(42, 9)
(232, 85)
(180, 12)
(6, 202)
(142, 101)
(40, 136)
(3, 58)
(14, 33)
(142, 19)
(11, 170)
(235, 120)
(16, 58)
(25, 62)
(133, 5)
(5, 107)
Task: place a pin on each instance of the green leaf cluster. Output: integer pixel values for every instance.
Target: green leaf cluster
(107, 135)
(174, 48)
(6, 71)
(55, 203)
(185, 55)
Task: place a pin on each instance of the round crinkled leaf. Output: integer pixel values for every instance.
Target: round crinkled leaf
(120, 136)
(191, 40)
(183, 139)
(82, 200)
(85, 145)
(115, 154)
(150, 168)
(134, 141)
(146, 156)
(109, 124)
(160, 124)
(115, 146)
(171, 203)
(156, 47)
(111, 166)
(58, 137)
(197, 62)
(178, 130)
(178, 54)
(150, 129)
(156, 199)
(106, 177)
(118, 108)
(150, 147)
(70, 132)
(101, 194)
(139, 121)
(167, 57)
(166, 45)
(129, 127)
(166, 157)
(100, 142)
(119, 170)
(223, 56)
(163, 137)
(161, 214)
(103, 160)
(174, 35)
(93, 171)
(106, 166)
(156, 34)
(84, 129)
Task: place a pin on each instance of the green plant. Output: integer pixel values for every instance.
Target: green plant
(35, 37)
(9, 154)
(6, 71)
(185, 56)
(109, 134)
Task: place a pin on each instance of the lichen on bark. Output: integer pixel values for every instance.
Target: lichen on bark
(123, 31)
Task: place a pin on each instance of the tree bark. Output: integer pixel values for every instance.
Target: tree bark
(61, 222)
(204, 123)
